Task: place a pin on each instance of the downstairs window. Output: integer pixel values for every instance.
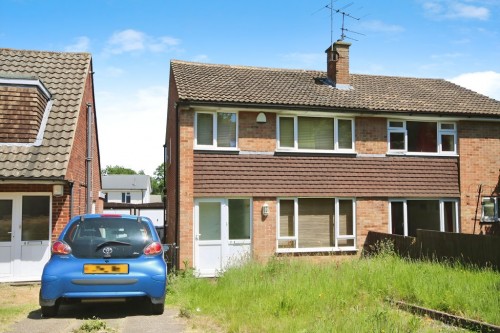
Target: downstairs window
(406, 216)
(316, 224)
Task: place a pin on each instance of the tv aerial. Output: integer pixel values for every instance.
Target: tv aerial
(344, 14)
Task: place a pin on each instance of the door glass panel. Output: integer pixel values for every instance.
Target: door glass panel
(5, 220)
(239, 218)
(36, 218)
(210, 215)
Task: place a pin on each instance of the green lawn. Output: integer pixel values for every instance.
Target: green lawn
(287, 295)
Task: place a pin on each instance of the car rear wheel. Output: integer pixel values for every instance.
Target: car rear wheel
(50, 311)
(158, 308)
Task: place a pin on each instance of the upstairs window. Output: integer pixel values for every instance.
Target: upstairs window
(315, 134)
(215, 130)
(421, 137)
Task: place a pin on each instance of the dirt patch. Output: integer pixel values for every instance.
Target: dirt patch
(16, 302)
(19, 294)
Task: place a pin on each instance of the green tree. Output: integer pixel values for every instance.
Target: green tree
(120, 170)
(157, 181)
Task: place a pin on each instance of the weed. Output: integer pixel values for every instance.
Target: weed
(94, 325)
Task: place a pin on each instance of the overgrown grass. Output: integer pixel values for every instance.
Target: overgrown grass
(287, 295)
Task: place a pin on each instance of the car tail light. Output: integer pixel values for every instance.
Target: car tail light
(152, 249)
(60, 248)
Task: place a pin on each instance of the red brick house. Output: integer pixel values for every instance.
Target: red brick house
(264, 161)
(49, 154)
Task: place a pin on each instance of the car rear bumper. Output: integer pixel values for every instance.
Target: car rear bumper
(145, 279)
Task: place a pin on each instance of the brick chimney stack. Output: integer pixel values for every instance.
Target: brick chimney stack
(338, 63)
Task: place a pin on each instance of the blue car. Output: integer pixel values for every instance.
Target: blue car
(105, 257)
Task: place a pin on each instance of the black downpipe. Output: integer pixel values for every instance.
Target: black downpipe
(71, 199)
(177, 194)
(88, 209)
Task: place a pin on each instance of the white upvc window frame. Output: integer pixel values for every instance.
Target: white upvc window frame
(495, 218)
(441, 213)
(440, 133)
(214, 145)
(319, 151)
(296, 238)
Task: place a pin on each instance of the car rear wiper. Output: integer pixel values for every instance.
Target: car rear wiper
(111, 242)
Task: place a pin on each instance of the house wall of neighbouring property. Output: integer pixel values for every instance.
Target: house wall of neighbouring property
(136, 197)
(171, 167)
(77, 165)
(372, 214)
(479, 149)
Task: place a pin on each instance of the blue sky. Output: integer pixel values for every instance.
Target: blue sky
(133, 41)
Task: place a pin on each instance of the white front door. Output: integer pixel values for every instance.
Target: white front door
(222, 234)
(25, 224)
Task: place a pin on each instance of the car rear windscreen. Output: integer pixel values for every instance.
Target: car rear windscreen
(108, 238)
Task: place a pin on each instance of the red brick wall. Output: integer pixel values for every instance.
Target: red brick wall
(371, 215)
(371, 135)
(479, 149)
(186, 193)
(255, 136)
(264, 229)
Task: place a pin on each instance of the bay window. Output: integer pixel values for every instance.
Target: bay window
(215, 130)
(316, 224)
(315, 134)
(425, 137)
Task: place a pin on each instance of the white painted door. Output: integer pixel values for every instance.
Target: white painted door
(5, 237)
(222, 234)
(23, 257)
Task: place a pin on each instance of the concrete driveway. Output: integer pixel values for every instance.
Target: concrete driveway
(120, 317)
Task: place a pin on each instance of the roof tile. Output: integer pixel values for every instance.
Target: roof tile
(209, 83)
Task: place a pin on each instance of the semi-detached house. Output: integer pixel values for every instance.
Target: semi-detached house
(265, 161)
(49, 154)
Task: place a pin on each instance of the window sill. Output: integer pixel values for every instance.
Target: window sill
(394, 153)
(231, 151)
(281, 152)
(329, 250)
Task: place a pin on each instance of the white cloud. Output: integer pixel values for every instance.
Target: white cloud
(379, 26)
(82, 44)
(136, 41)
(452, 9)
(486, 83)
(132, 129)
(453, 55)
